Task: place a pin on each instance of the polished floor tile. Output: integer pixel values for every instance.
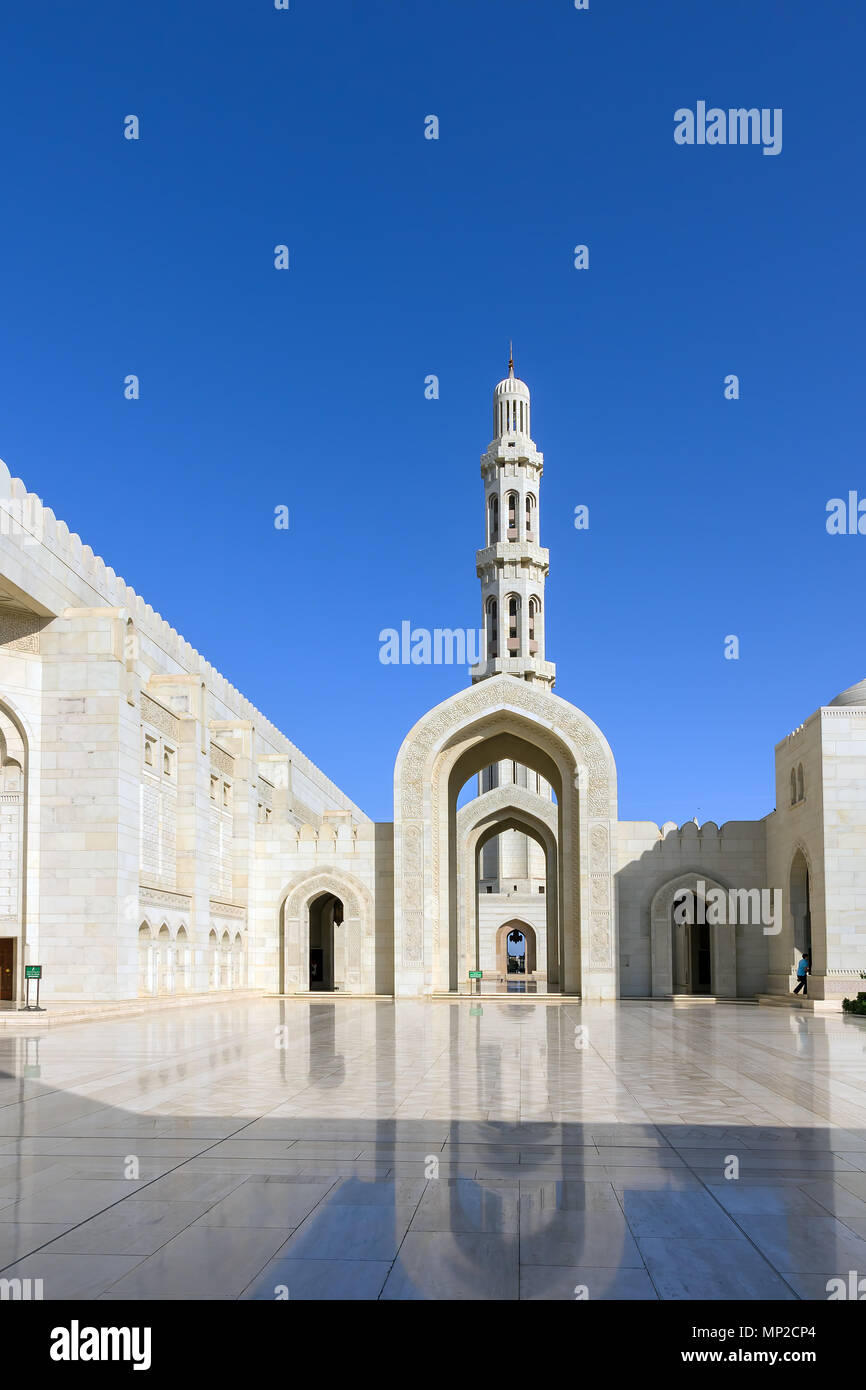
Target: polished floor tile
(464, 1266)
(415, 1151)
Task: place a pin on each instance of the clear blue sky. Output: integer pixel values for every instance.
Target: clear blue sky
(410, 257)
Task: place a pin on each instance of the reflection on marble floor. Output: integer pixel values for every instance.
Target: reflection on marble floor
(360, 1150)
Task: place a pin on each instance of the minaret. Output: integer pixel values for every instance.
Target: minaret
(512, 566)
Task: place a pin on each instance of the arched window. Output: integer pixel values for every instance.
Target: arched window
(238, 962)
(146, 960)
(534, 610)
(493, 520)
(513, 625)
(801, 787)
(226, 961)
(492, 627)
(512, 516)
(530, 515)
(166, 961)
(184, 959)
(214, 962)
(793, 786)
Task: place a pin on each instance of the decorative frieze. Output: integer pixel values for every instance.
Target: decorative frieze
(19, 631)
(160, 898)
(218, 909)
(221, 761)
(160, 717)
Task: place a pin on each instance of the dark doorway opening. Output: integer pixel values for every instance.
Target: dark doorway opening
(701, 965)
(7, 968)
(326, 912)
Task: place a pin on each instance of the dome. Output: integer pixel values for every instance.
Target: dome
(511, 406)
(854, 695)
(512, 385)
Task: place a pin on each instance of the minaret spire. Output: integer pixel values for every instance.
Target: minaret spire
(512, 565)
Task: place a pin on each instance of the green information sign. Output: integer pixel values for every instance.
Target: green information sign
(475, 974)
(33, 972)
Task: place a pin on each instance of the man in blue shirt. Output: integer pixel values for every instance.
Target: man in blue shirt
(802, 972)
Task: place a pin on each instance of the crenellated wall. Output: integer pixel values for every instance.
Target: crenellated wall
(733, 855)
(149, 781)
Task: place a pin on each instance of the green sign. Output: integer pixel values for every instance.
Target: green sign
(33, 972)
(475, 974)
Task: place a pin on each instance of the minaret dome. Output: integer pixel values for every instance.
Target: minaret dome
(511, 406)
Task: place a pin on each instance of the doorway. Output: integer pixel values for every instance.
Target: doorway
(326, 912)
(7, 968)
(701, 970)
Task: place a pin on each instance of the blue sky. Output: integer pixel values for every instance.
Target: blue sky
(410, 257)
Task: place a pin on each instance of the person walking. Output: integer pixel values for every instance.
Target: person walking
(802, 973)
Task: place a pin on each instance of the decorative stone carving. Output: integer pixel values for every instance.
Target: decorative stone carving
(599, 890)
(219, 909)
(222, 761)
(19, 631)
(600, 849)
(160, 898)
(157, 715)
(599, 943)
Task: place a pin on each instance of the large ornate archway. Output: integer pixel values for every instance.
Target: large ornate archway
(506, 808)
(498, 718)
(354, 963)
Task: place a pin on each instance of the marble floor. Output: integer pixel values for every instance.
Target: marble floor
(265, 1149)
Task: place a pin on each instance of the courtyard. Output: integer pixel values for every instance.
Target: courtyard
(487, 1149)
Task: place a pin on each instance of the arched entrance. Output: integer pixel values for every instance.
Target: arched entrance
(690, 955)
(800, 898)
(498, 719)
(14, 761)
(326, 935)
(516, 949)
(489, 815)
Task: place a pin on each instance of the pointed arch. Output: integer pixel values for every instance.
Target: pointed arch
(503, 718)
(356, 954)
(723, 944)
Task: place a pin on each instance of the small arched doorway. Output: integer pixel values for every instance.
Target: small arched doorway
(146, 961)
(165, 983)
(184, 959)
(692, 947)
(800, 898)
(516, 949)
(326, 912)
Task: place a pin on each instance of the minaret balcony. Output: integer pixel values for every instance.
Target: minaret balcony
(521, 552)
(532, 669)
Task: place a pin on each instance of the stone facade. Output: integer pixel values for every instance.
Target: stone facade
(159, 836)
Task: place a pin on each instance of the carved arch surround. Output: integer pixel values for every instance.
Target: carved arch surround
(723, 940)
(584, 766)
(357, 947)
